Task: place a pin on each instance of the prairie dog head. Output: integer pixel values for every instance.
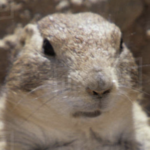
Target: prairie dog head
(73, 64)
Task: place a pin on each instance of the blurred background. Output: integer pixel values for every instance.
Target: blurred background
(132, 16)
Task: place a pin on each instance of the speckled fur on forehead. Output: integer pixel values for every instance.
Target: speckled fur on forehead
(79, 30)
(80, 40)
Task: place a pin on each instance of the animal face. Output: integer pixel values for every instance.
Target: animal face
(76, 66)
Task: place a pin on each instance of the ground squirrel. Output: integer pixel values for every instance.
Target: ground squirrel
(73, 86)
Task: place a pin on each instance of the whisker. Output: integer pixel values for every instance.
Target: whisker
(135, 90)
(140, 66)
(127, 97)
(146, 110)
(131, 34)
(32, 113)
(124, 86)
(38, 88)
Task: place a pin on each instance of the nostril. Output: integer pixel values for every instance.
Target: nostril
(98, 93)
(95, 93)
(106, 92)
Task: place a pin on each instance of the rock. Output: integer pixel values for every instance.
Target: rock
(3, 4)
(147, 2)
(122, 12)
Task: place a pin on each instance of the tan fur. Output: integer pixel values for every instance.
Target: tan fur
(48, 101)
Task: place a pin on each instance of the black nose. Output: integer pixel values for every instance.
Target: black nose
(99, 93)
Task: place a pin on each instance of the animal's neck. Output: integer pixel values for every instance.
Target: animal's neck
(125, 121)
(114, 123)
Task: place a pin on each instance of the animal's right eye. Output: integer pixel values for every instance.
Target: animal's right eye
(48, 48)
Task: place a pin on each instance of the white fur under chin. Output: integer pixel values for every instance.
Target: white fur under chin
(125, 121)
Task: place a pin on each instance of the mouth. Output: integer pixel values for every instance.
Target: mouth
(89, 114)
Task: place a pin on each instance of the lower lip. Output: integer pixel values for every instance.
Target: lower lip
(87, 114)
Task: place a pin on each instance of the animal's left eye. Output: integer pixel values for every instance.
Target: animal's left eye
(48, 48)
(121, 46)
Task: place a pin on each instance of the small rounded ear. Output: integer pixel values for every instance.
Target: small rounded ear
(10, 46)
(54, 28)
(31, 36)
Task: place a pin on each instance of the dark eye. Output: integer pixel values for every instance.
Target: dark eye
(121, 45)
(48, 49)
